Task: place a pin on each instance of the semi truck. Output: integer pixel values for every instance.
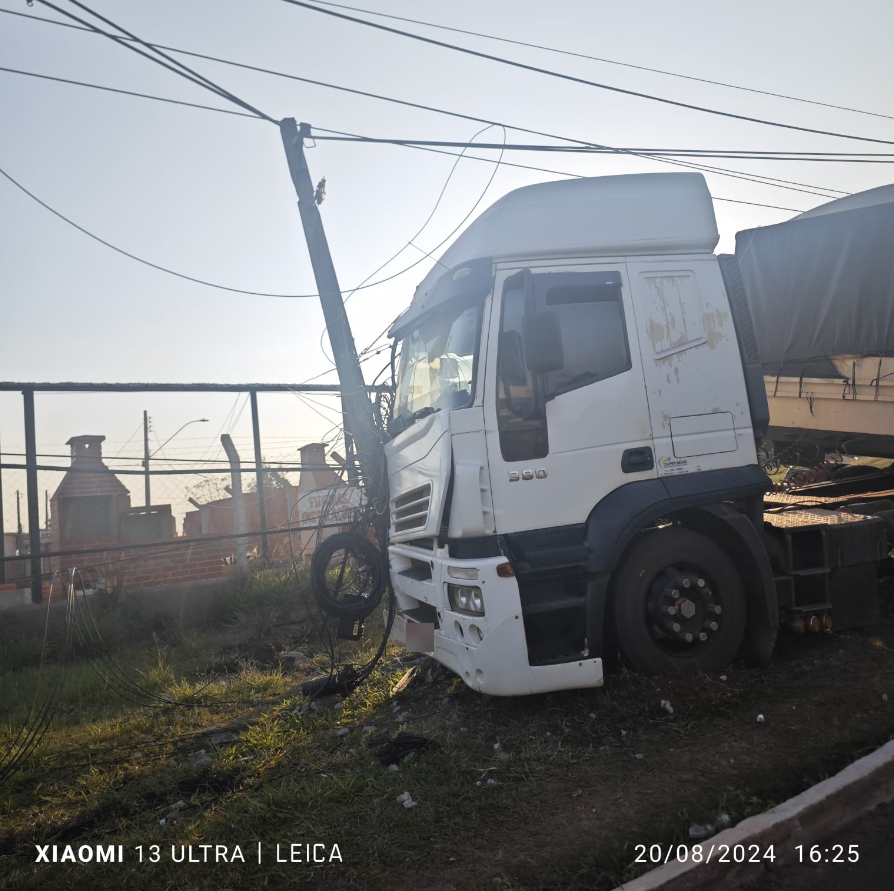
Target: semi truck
(584, 394)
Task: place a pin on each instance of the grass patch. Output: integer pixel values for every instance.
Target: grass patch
(541, 792)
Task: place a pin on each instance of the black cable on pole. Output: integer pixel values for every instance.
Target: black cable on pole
(220, 287)
(149, 263)
(165, 61)
(720, 171)
(81, 83)
(580, 80)
(564, 52)
(422, 107)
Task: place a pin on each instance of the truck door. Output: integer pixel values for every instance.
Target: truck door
(695, 382)
(560, 440)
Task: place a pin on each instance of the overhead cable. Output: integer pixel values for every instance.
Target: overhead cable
(565, 52)
(161, 58)
(720, 171)
(579, 80)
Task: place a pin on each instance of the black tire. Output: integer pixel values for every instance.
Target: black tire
(650, 573)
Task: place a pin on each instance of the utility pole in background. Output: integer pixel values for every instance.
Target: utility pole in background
(259, 472)
(146, 457)
(357, 405)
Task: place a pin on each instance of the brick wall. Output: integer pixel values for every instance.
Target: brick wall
(173, 564)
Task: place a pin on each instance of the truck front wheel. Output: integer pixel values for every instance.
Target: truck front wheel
(677, 603)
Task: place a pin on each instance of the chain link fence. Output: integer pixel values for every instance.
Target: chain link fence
(171, 492)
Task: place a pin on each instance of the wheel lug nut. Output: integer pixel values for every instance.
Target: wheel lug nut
(688, 637)
(702, 636)
(675, 594)
(717, 610)
(713, 626)
(675, 628)
(687, 583)
(701, 583)
(671, 610)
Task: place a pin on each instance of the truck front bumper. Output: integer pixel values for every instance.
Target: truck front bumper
(488, 652)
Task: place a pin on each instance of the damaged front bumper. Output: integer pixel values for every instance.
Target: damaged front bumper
(489, 652)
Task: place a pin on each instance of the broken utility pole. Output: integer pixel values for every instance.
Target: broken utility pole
(358, 407)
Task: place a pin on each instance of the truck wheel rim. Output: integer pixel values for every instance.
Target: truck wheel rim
(682, 609)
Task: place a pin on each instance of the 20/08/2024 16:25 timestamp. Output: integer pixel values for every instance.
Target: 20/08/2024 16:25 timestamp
(831, 854)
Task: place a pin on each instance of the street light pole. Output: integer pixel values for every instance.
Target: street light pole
(147, 456)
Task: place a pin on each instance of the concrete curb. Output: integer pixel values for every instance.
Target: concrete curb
(806, 819)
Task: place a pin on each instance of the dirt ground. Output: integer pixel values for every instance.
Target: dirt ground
(825, 702)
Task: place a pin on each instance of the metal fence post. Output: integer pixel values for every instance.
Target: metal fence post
(238, 502)
(259, 473)
(33, 503)
(2, 529)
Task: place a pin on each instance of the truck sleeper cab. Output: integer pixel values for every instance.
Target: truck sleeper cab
(572, 462)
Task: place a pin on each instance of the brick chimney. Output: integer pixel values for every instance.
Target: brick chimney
(86, 450)
(86, 505)
(317, 476)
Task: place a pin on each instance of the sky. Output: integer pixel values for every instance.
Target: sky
(209, 195)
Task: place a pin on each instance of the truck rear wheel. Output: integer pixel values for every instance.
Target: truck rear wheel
(677, 603)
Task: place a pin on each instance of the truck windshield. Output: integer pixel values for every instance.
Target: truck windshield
(437, 361)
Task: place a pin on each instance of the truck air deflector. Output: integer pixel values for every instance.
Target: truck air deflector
(471, 278)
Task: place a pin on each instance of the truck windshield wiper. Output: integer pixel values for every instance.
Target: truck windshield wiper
(401, 423)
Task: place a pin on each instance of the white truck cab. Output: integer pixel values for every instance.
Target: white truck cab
(573, 408)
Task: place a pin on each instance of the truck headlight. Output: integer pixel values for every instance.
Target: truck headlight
(466, 599)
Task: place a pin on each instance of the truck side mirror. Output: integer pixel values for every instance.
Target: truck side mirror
(542, 339)
(512, 359)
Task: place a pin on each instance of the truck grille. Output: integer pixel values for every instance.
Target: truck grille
(410, 510)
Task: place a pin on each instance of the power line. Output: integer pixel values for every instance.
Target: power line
(582, 148)
(564, 52)
(580, 80)
(131, 256)
(655, 154)
(161, 59)
(81, 83)
(231, 290)
(720, 171)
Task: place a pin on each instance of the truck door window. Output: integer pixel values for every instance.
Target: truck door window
(520, 422)
(591, 318)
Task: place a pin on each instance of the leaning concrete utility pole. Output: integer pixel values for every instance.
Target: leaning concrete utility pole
(357, 405)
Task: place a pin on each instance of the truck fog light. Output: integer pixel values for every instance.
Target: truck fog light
(466, 599)
(462, 572)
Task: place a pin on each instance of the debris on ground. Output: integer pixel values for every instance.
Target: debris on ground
(292, 659)
(222, 738)
(404, 681)
(698, 831)
(406, 800)
(403, 746)
(343, 732)
(200, 759)
(760, 719)
(665, 704)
